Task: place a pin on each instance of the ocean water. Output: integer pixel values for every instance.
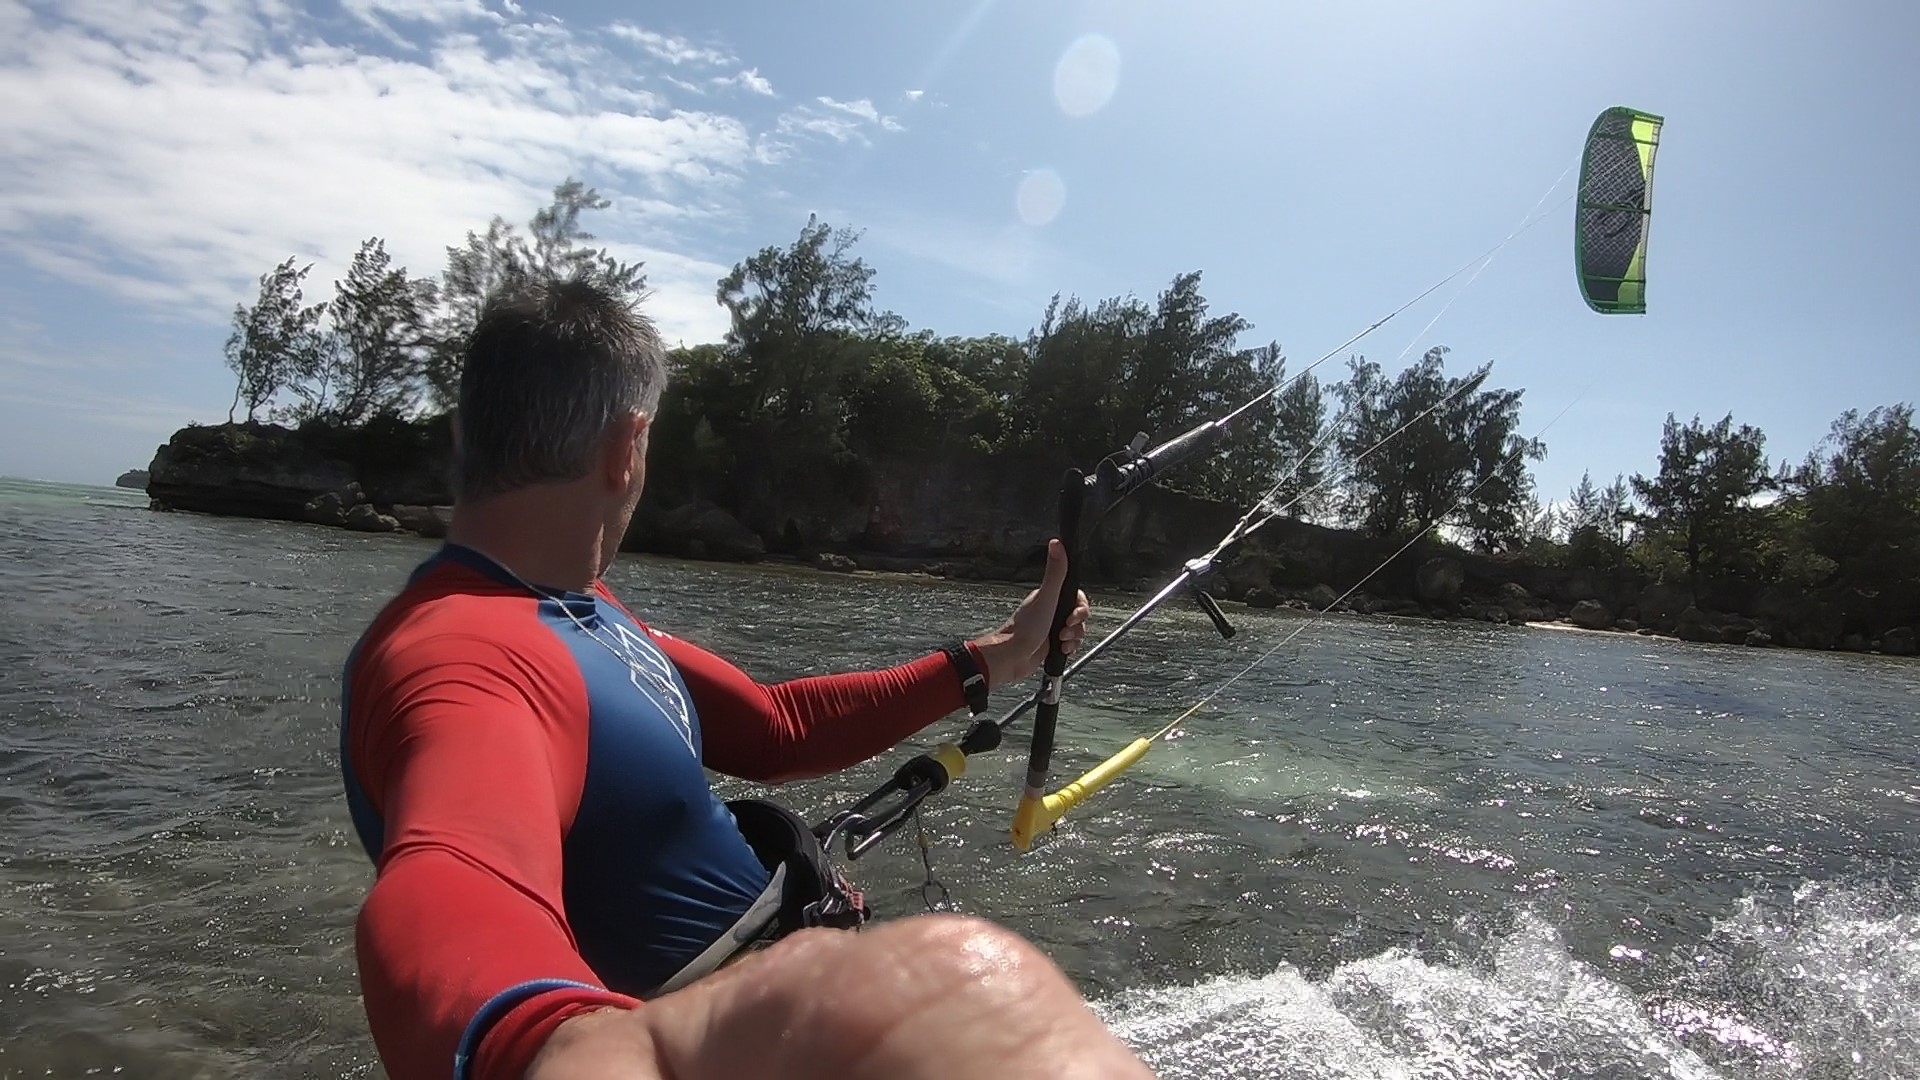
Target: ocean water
(1397, 848)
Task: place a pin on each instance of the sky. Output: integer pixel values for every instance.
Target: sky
(1321, 164)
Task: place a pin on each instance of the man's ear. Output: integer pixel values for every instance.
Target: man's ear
(624, 451)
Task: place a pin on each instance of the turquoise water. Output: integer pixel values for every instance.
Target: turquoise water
(1398, 848)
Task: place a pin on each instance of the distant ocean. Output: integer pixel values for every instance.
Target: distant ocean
(1400, 848)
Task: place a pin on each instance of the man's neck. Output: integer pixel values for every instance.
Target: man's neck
(548, 536)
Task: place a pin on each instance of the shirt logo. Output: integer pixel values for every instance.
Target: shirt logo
(652, 674)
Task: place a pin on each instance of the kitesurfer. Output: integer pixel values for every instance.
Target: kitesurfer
(524, 758)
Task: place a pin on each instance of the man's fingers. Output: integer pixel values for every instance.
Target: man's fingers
(1056, 574)
(913, 999)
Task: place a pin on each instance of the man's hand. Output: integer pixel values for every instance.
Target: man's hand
(1017, 650)
(914, 999)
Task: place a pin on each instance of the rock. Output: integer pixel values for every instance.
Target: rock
(431, 522)
(1439, 580)
(1244, 575)
(1645, 631)
(705, 531)
(1854, 643)
(1758, 639)
(1590, 615)
(1365, 603)
(1627, 626)
(1693, 625)
(1262, 597)
(364, 518)
(1813, 622)
(1898, 642)
(1735, 628)
(1661, 606)
(1321, 597)
(132, 478)
(1522, 606)
(331, 507)
(244, 470)
(1576, 587)
(828, 560)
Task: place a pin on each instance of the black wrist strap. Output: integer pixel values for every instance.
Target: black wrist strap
(973, 682)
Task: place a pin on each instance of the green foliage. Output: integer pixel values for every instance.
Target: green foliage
(1861, 492)
(370, 358)
(501, 257)
(273, 340)
(1096, 376)
(1304, 441)
(1700, 505)
(797, 316)
(1425, 450)
(1592, 526)
(815, 385)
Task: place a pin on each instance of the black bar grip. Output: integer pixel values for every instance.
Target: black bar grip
(1212, 607)
(1140, 470)
(1073, 497)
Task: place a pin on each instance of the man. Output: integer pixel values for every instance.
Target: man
(524, 759)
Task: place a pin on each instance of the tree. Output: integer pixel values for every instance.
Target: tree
(1700, 503)
(1425, 450)
(371, 360)
(273, 339)
(502, 257)
(792, 312)
(1300, 430)
(1859, 492)
(1097, 376)
(1592, 523)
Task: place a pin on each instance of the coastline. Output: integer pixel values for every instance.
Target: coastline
(942, 519)
(906, 570)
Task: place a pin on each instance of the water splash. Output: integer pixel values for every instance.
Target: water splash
(1824, 982)
(1825, 985)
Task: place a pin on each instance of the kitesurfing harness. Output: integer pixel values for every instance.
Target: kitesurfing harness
(805, 890)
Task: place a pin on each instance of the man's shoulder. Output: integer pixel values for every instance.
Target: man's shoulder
(605, 592)
(442, 619)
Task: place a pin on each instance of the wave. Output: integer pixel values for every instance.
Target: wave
(1824, 982)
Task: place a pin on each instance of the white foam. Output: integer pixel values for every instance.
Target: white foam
(1828, 985)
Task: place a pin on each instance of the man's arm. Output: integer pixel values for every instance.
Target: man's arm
(813, 726)
(475, 759)
(810, 727)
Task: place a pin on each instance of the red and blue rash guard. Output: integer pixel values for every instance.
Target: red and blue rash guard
(527, 774)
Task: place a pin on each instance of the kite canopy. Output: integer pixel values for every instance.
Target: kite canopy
(1616, 202)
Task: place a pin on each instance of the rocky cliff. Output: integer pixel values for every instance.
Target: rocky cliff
(966, 516)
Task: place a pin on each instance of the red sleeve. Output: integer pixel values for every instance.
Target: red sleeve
(810, 727)
(474, 754)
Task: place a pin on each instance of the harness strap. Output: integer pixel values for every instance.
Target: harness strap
(804, 890)
(749, 929)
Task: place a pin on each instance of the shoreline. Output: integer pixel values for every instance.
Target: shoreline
(924, 573)
(919, 526)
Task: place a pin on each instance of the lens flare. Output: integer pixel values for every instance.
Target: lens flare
(1040, 197)
(1086, 75)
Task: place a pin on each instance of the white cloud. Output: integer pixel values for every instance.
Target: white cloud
(916, 95)
(169, 152)
(435, 12)
(674, 50)
(750, 80)
(841, 121)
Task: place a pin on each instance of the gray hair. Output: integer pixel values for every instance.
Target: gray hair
(551, 364)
